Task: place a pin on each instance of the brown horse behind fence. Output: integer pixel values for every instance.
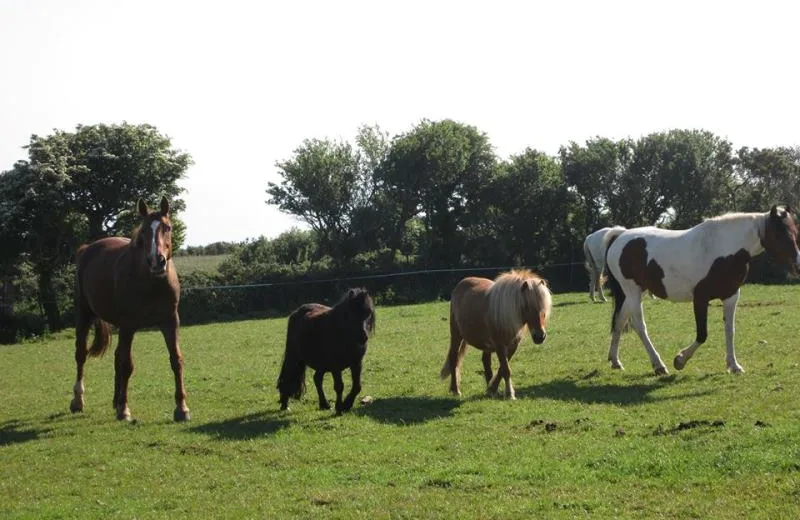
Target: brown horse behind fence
(130, 284)
(492, 316)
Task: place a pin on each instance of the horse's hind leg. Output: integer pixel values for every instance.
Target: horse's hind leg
(83, 324)
(170, 332)
(355, 374)
(319, 375)
(123, 368)
(338, 387)
(455, 356)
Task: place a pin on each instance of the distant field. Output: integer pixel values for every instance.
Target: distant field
(206, 263)
(581, 440)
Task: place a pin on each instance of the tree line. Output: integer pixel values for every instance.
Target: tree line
(434, 197)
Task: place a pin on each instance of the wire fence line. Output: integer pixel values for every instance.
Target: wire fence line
(376, 276)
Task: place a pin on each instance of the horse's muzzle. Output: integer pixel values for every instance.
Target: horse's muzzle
(539, 337)
(160, 266)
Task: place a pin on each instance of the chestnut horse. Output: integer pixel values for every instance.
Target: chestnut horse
(130, 284)
(492, 316)
(709, 261)
(327, 339)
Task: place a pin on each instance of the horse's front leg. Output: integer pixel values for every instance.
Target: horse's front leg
(123, 368)
(729, 313)
(170, 332)
(503, 372)
(338, 387)
(486, 357)
(637, 320)
(701, 326)
(355, 373)
(319, 375)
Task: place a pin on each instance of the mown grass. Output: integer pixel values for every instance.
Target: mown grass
(581, 440)
(208, 264)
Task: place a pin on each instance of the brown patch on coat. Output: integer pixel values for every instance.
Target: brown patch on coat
(726, 275)
(634, 265)
(780, 236)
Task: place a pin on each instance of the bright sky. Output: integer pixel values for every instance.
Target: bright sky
(240, 85)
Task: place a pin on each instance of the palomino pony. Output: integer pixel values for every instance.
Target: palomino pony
(492, 316)
(709, 261)
(327, 339)
(130, 284)
(594, 251)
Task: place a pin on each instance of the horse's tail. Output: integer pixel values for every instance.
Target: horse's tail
(102, 338)
(292, 379)
(611, 282)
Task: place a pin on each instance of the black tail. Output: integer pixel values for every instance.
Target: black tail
(613, 285)
(292, 379)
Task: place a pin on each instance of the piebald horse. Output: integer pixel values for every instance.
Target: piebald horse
(130, 284)
(709, 261)
(492, 316)
(594, 252)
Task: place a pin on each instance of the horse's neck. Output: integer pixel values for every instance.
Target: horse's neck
(745, 231)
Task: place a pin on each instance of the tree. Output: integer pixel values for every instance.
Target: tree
(765, 177)
(698, 176)
(330, 185)
(82, 185)
(530, 212)
(591, 171)
(436, 171)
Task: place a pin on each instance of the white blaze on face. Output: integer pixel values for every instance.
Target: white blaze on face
(153, 249)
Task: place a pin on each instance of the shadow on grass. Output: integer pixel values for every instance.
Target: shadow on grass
(245, 427)
(620, 394)
(14, 432)
(408, 410)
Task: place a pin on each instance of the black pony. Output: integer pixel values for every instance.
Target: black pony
(327, 339)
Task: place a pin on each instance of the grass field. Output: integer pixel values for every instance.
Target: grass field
(580, 441)
(203, 263)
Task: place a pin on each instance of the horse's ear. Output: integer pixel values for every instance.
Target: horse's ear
(773, 212)
(164, 206)
(788, 208)
(525, 286)
(543, 282)
(142, 207)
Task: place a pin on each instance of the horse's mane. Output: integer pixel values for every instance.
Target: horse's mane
(507, 300)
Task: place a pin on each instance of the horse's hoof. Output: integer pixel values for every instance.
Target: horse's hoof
(617, 366)
(124, 416)
(736, 369)
(75, 407)
(325, 406)
(181, 415)
(679, 362)
(661, 371)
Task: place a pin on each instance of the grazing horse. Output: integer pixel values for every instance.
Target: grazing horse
(594, 251)
(709, 261)
(327, 339)
(130, 284)
(492, 316)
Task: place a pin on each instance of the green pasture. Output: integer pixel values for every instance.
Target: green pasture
(581, 440)
(208, 264)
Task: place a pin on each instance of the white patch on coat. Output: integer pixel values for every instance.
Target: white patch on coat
(153, 250)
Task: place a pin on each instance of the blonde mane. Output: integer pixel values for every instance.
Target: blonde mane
(508, 301)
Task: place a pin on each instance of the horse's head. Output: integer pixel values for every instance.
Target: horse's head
(780, 237)
(359, 314)
(538, 304)
(154, 237)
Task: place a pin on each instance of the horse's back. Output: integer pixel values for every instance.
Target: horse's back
(669, 263)
(469, 308)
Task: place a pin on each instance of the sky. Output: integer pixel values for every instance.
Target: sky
(241, 84)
